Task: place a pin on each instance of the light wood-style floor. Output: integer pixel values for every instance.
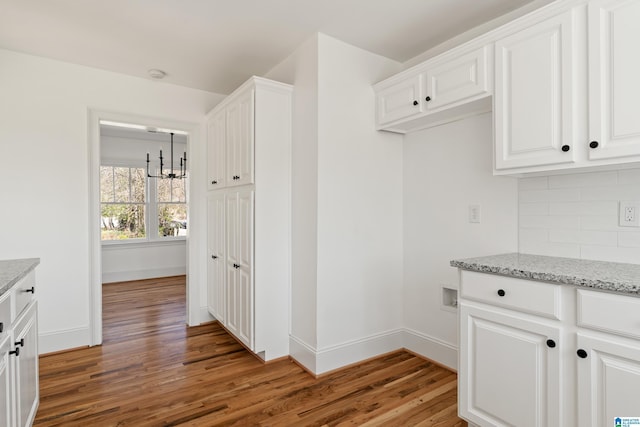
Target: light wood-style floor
(154, 371)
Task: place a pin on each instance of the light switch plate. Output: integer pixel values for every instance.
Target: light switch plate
(474, 213)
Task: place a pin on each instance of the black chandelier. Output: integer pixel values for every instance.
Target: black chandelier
(171, 174)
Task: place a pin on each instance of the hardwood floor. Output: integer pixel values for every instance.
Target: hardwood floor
(154, 371)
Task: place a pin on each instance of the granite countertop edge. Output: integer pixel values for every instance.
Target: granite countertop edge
(601, 275)
(12, 270)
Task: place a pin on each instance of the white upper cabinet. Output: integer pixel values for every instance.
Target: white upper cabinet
(458, 79)
(534, 102)
(216, 146)
(240, 150)
(437, 91)
(614, 79)
(400, 101)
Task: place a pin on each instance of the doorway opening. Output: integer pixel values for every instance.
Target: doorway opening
(139, 225)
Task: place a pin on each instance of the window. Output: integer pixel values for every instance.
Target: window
(122, 196)
(131, 204)
(171, 207)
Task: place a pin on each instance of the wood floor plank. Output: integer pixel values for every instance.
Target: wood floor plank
(152, 370)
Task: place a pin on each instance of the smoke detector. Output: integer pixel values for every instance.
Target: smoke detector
(156, 74)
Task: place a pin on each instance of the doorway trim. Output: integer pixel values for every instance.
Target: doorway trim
(95, 247)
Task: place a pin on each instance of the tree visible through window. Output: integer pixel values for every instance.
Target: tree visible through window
(129, 206)
(122, 196)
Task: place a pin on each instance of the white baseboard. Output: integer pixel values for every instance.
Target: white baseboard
(431, 348)
(204, 316)
(125, 276)
(50, 342)
(338, 356)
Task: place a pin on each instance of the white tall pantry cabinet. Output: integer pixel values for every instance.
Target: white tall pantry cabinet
(249, 215)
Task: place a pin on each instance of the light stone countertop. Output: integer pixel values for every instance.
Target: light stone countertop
(607, 276)
(13, 270)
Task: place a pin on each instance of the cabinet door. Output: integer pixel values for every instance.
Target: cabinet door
(400, 101)
(25, 366)
(5, 382)
(216, 150)
(239, 288)
(457, 80)
(614, 78)
(508, 373)
(245, 272)
(608, 380)
(216, 263)
(534, 100)
(240, 140)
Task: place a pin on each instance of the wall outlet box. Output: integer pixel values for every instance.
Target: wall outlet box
(629, 214)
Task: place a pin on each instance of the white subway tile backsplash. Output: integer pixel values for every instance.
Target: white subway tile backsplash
(550, 221)
(560, 195)
(629, 239)
(583, 180)
(536, 183)
(623, 192)
(608, 253)
(605, 207)
(576, 215)
(629, 177)
(534, 209)
(584, 237)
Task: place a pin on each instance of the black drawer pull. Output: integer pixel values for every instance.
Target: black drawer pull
(31, 290)
(16, 352)
(501, 292)
(20, 343)
(551, 343)
(582, 354)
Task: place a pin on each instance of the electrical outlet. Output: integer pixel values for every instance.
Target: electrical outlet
(629, 214)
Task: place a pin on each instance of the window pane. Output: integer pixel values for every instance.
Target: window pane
(164, 190)
(172, 219)
(178, 193)
(138, 177)
(106, 184)
(122, 221)
(121, 178)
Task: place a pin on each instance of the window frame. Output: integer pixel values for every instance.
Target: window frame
(150, 209)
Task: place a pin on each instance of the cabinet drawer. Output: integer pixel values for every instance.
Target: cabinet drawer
(618, 314)
(541, 299)
(5, 311)
(22, 294)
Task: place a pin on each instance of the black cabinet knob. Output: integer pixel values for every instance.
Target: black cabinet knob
(1, 327)
(20, 343)
(236, 266)
(551, 343)
(593, 144)
(566, 148)
(214, 256)
(428, 98)
(16, 352)
(501, 292)
(415, 102)
(214, 182)
(582, 354)
(31, 290)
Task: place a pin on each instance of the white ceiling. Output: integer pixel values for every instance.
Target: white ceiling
(215, 45)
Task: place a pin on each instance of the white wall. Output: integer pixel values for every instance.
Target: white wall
(45, 209)
(446, 169)
(576, 215)
(346, 208)
(145, 260)
(301, 70)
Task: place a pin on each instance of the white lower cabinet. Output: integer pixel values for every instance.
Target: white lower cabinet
(608, 379)
(519, 369)
(5, 381)
(25, 366)
(509, 369)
